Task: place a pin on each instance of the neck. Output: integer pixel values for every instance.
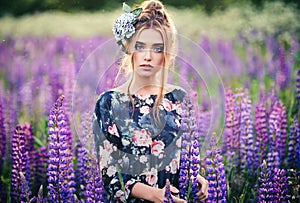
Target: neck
(145, 85)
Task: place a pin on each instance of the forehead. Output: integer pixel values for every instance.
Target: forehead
(150, 36)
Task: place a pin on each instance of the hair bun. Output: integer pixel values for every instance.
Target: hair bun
(154, 5)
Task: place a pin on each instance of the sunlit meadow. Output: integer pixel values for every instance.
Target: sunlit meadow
(251, 154)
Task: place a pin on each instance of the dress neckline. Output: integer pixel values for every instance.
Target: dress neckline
(143, 96)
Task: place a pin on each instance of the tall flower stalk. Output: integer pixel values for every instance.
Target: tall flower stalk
(20, 165)
(2, 149)
(60, 173)
(217, 184)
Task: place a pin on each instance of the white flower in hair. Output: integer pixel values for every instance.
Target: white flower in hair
(124, 25)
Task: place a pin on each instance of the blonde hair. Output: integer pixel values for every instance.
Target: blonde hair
(153, 16)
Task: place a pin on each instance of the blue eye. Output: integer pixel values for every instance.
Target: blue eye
(139, 47)
(158, 49)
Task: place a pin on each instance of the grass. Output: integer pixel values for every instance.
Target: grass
(274, 18)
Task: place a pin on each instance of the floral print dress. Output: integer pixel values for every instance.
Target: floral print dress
(137, 144)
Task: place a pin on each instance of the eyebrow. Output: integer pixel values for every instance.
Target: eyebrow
(155, 44)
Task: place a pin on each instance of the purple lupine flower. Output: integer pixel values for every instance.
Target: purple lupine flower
(24, 188)
(20, 160)
(262, 137)
(168, 194)
(222, 185)
(211, 177)
(69, 72)
(272, 185)
(277, 128)
(32, 153)
(60, 169)
(41, 168)
(263, 180)
(194, 152)
(247, 139)
(283, 75)
(229, 123)
(281, 185)
(294, 145)
(82, 170)
(184, 153)
(95, 191)
(2, 149)
(217, 187)
(298, 89)
(273, 156)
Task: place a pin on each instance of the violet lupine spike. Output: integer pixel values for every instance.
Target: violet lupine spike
(297, 130)
(185, 151)
(19, 162)
(273, 156)
(41, 168)
(2, 137)
(24, 188)
(278, 128)
(298, 90)
(247, 138)
(280, 185)
(86, 136)
(272, 185)
(222, 182)
(32, 153)
(229, 123)
(294, 145)
(238, 145)
(211, 177)
(82, 171)
(3, 194)
(217, 187)
(168, 194)
(263, 183)
(60, 169)
(69, 72)
(94, 190)
(281, 140)
(194, 148)
(283, 76)
(262, 138)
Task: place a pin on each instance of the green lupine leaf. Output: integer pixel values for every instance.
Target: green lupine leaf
(126, 8)
(137, 11)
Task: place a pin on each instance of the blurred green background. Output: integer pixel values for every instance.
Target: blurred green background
(217, 19)
(21, 7)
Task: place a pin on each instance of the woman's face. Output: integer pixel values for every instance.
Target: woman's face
(148, 56)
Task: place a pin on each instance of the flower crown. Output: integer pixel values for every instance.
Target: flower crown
(124, 25)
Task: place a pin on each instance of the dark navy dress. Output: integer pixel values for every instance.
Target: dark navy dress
(137, 144)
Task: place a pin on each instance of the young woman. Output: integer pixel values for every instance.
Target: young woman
(138, 124)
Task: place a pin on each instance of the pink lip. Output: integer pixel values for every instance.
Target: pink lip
(146, 65)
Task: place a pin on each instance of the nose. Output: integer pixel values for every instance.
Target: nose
(147, 55)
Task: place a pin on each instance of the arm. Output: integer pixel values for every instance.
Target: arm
(117, 185)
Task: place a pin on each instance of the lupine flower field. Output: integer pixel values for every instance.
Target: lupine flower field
(253, 155)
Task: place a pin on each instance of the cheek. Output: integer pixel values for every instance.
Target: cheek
(160, 59)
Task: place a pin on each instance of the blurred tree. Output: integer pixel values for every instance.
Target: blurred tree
(21, 7)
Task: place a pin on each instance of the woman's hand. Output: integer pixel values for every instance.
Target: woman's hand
(159, 195)
(203, 188)
(156, 195)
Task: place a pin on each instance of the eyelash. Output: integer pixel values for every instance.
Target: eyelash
(158, 49)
